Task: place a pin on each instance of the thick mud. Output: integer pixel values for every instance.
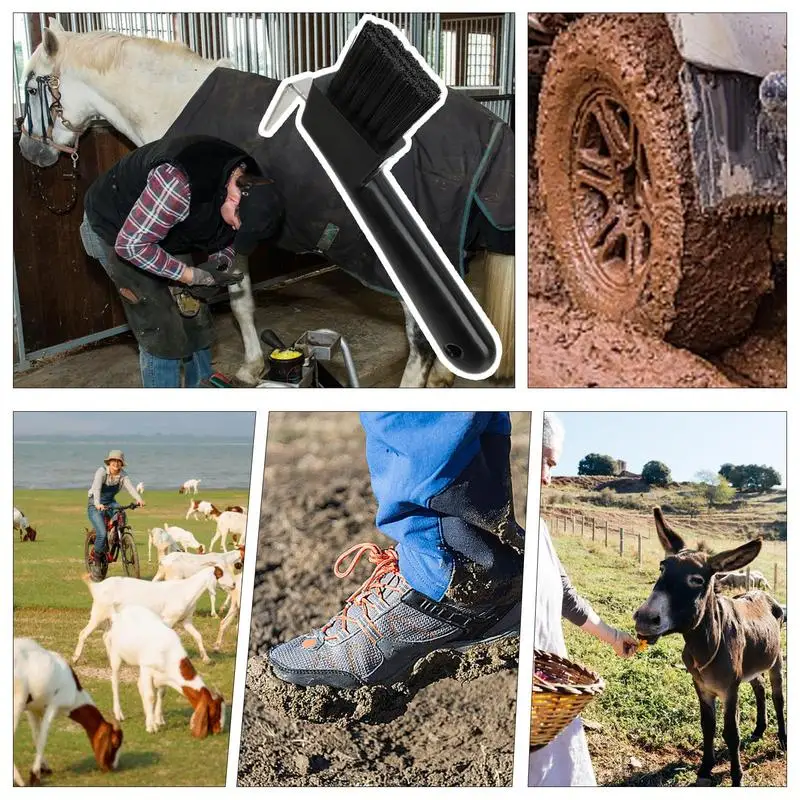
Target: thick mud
(704, 274)
(450, 723)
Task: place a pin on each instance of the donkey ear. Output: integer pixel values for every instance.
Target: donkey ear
(54, 24)
(739, 557)
(670, 541)
(50, 43)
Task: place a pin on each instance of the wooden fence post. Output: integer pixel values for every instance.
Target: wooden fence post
(581, 526)
(639, 545)
(775, 577)
(621, 541)
(606, 533)
(776, 566)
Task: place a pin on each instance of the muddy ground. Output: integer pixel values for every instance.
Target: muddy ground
(433, 731)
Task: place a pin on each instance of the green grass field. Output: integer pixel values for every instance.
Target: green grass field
(51, 605)
(649, 710)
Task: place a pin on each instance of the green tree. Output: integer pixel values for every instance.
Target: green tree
(721, 493)
(750, 477)
(597, 464)
(656, 473)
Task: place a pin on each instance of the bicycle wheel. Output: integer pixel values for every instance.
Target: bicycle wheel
(88, 550)
(130, 556)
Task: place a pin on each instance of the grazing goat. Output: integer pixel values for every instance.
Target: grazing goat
(178, 566)
(233, 612)
(184, 538)
(138, 637)
(190, 486)
(739, 580)
(45, 686)
(140, 488)
(201, 508)
(727, 640)
(174, 601)
(229, 522)
(21, 524)
(163, 543)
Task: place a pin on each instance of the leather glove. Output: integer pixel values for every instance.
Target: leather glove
(623, 644)
(209, 277)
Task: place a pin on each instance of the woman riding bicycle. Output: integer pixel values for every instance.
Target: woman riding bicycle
(108, 480)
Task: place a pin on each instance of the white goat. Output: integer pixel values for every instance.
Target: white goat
(233, 612)
(201, 509)
(738, 580)
(138, 637)
(179, 566)
(229, 522)
(174, 601)
(21, 525)
(190, 486)
(163, 543)
(184, 538)
(46, 686)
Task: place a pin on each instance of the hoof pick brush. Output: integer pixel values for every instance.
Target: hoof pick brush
(358, 117)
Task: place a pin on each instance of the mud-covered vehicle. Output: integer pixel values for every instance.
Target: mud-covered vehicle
(660, 147)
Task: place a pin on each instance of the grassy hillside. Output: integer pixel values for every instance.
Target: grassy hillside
(51, 605)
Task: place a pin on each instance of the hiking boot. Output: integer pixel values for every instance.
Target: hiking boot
(99, 567)
(385, 628)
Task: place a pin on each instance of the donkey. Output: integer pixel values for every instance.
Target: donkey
(140, 85)
(728, 640)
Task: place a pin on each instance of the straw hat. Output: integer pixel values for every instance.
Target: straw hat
(118, 455)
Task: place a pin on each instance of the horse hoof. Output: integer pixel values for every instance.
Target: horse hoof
(440, 377)
(251, 372)
(34, 780)
(703, 782)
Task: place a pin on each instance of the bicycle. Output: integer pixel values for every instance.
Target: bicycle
(120, 544)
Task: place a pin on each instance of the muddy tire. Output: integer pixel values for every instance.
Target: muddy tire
(617, 185)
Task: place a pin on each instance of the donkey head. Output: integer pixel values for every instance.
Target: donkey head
(679, 596)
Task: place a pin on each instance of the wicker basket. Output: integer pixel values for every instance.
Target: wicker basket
(561, 689)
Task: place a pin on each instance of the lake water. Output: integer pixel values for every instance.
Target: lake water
(160, 463)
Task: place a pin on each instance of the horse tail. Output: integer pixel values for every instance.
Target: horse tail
(499, 305)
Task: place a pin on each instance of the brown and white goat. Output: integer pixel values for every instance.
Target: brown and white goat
(21, 524)
(138, 637)
(727, 640)
(46, 686)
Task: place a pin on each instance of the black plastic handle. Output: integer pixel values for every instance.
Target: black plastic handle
(437, 294)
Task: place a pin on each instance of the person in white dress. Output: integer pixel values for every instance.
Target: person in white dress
(565, 761)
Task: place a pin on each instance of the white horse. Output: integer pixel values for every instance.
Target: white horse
(139, 86)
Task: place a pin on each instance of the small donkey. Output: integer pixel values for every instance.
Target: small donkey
(728, 640)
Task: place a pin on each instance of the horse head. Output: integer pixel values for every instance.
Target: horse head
(55, 109)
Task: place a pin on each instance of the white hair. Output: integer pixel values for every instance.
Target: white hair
(553, 433)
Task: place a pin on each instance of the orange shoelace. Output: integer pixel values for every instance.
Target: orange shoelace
(386, 563)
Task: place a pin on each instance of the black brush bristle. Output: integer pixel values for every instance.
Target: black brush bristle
(380, 87)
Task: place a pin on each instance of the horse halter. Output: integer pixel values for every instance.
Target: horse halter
(49, 113)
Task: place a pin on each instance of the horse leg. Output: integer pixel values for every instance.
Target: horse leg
(761, 708)
(244, 309)
(422, 368)
(776, 681)
(708, 723)
(730, 732)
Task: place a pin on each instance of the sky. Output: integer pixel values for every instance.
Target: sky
(687, 442)
(219, 424)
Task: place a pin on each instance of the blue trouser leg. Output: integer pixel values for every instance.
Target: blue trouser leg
(159, 373)
(98, 521)
(442, 481)
(197, 368)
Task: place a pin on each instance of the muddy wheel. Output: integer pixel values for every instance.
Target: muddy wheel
(617, 185)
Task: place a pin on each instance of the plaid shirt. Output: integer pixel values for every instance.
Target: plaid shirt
(162, 205)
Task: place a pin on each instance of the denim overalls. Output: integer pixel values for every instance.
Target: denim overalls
(108, 495)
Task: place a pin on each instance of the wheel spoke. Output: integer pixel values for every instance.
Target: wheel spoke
(593, 160)
(607, 244)
(609, 220)
(636, 241)
(591, 179)
(616, 137)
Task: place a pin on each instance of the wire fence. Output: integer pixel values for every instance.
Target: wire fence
(631, 541)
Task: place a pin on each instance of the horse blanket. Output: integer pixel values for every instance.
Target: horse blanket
(459, 174)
